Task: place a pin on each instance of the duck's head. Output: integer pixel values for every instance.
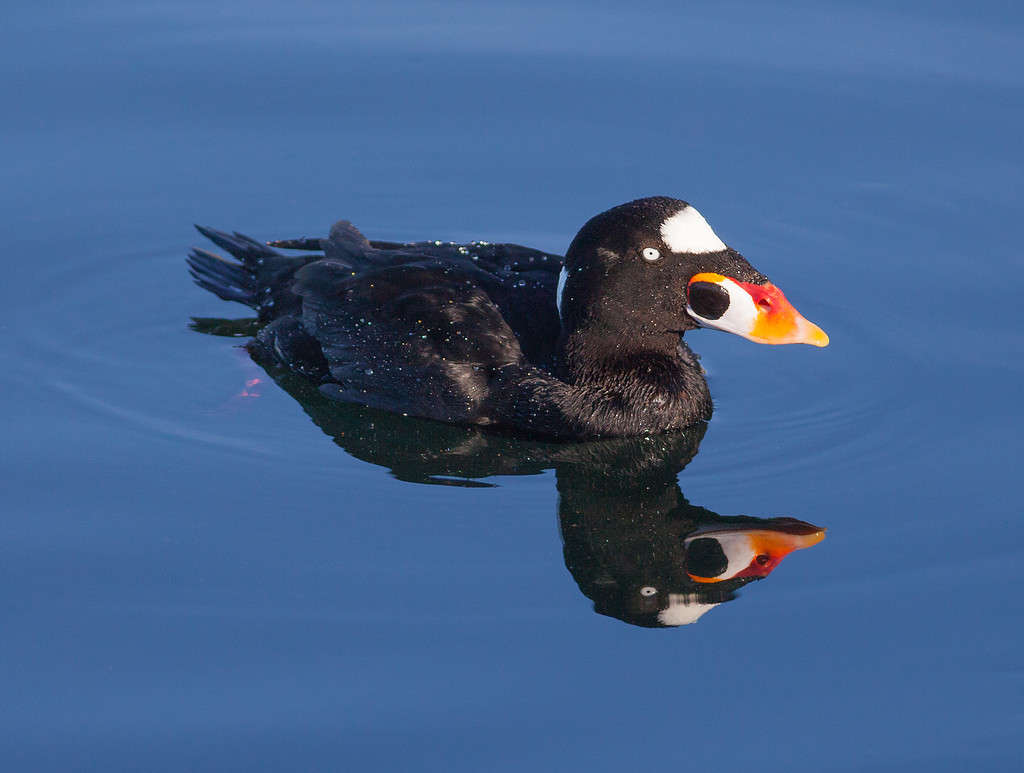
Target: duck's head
(663, 569)
(654, 266)
(722, 557)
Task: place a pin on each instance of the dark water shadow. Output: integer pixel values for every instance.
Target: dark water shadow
(635, 546)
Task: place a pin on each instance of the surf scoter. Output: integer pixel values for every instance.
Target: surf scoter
(507, 336)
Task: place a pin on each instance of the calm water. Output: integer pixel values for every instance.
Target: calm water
(204, 575)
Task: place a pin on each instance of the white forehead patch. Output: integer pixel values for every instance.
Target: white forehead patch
(688, 231)
(562, 276)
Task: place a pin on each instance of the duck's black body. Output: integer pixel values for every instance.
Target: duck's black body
(472, 334)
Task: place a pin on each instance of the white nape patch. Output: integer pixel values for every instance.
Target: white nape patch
(562, 276)
(688, 231)
(683, 609)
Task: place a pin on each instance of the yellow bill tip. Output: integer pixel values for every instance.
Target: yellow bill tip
(815, 336)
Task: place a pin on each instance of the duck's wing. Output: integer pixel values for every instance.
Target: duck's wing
(497, 258)
(345, 242)
(520, 281)
(422, 338)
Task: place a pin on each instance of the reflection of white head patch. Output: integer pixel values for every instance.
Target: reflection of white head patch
(562, 276)
(688, 231)
(683, 609)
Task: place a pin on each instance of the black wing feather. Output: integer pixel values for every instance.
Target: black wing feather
(423, 335)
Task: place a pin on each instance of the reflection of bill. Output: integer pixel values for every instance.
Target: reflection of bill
(635, 546)
(718, 556)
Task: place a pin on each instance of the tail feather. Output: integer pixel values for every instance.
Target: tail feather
(230, 281)
(259, 277)
(214, 265)
(247, 250)
(225, 293)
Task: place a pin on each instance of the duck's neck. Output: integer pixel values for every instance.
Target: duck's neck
(649, 382)
(605, 385)
(600, 355)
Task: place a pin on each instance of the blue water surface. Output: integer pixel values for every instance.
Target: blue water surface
(197, 579)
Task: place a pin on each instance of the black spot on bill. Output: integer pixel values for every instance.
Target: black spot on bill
(708, 300)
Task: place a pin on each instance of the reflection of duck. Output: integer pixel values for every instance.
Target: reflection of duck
(502, 335)
(642, 553)
(633, 543)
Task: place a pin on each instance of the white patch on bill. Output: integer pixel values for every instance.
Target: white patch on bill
(737, 547)
(688, 231)
(562, 276)
(739, 318)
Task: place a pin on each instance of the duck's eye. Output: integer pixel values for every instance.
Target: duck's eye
(647, 590)
(650, 254)
(708, 300)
